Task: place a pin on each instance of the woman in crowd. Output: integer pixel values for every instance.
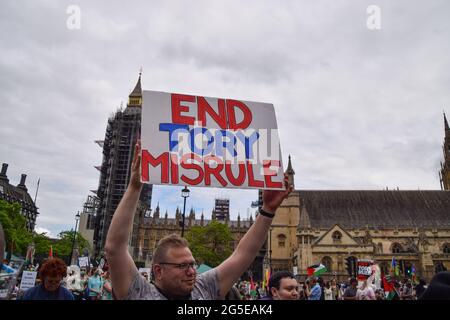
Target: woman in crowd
(51, 273)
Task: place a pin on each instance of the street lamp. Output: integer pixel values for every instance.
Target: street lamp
(270, 249)
(77, 216)
(184, 194)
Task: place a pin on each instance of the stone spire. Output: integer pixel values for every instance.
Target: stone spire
(304, 223)
(22, 185)
(447, 128)
(3, 175)
(290, 172)
(156, 214)
(239, 220)
(444, 174)
(135, 97)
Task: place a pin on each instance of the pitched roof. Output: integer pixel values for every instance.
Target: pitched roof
(137, 91)
(376, 209)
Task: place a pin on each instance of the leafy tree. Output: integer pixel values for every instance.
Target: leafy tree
(63, 246)
(41, 243)
(17, 236)
(210, 244)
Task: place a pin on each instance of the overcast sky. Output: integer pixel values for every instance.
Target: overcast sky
(356, 108)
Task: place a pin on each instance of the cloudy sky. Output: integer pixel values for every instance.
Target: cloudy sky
(357, 107)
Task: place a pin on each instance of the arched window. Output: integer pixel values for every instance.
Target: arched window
(337, 237)
(396, 248)
(281, 240)
(446, 248)
(328, 263)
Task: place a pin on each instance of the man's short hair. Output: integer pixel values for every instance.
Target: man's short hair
(275, 279)
(353, 280)
(171, 241)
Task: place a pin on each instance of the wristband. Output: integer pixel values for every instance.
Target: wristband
(266, 214)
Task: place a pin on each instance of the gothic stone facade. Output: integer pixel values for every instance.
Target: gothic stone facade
(152, 229)
(327, 226)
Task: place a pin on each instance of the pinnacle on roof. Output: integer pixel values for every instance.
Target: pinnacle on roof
(289, 169)
(137, 91)
(447, 128)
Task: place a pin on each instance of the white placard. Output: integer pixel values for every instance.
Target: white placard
(147, 270)
(209, 142)
(83, 262)
(28, 280)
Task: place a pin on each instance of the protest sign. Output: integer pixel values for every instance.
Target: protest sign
(83, 262)
(146, 270)
(209, 142)
(28, 280)
(365, 269)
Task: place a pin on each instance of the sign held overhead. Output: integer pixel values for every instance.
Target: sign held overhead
(209, 142)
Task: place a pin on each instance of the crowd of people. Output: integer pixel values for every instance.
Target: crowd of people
(283, 285)
(174, 275)
(56, 281)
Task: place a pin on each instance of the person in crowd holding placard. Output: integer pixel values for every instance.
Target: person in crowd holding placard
(174, 267)
(365, 292)
(52, 273)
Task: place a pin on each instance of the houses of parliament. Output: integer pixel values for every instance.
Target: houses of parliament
(310, 227)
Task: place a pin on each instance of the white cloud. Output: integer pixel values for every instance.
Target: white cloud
(47, 232)
(357, 109)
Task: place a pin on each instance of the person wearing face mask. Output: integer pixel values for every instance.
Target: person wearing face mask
(51, 273)
(95, 285)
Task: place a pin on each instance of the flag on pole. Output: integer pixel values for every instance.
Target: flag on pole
(252, 284)
(316, 270)
(388, 287)
(413, 274)
(50, 254)
(267, 277)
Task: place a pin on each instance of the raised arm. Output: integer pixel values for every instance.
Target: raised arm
(231, 269)
(121, 265)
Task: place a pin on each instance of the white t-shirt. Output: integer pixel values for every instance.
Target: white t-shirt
(365, 294)
(328, 294)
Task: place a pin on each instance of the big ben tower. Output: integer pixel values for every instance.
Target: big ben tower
(445, 166)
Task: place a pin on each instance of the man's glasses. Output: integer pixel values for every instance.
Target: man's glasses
(181, 266)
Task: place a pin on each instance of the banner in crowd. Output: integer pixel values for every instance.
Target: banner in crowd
(209, 142)
(83, 262)
(364, 268)
(28, 280)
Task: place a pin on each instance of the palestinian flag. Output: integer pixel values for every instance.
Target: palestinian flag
(316, 270)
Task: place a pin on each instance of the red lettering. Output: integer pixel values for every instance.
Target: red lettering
(148, 159)
(269, 173)
(241, 177)
(215, 171)
(231, 104)
(190, 165)
(174, 168)
(204, 107)
(177, 108)
(252, 182)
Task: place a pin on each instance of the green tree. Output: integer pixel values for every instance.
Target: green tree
(210, 244)
(17, 236)
(41, 243)
(63, 246)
